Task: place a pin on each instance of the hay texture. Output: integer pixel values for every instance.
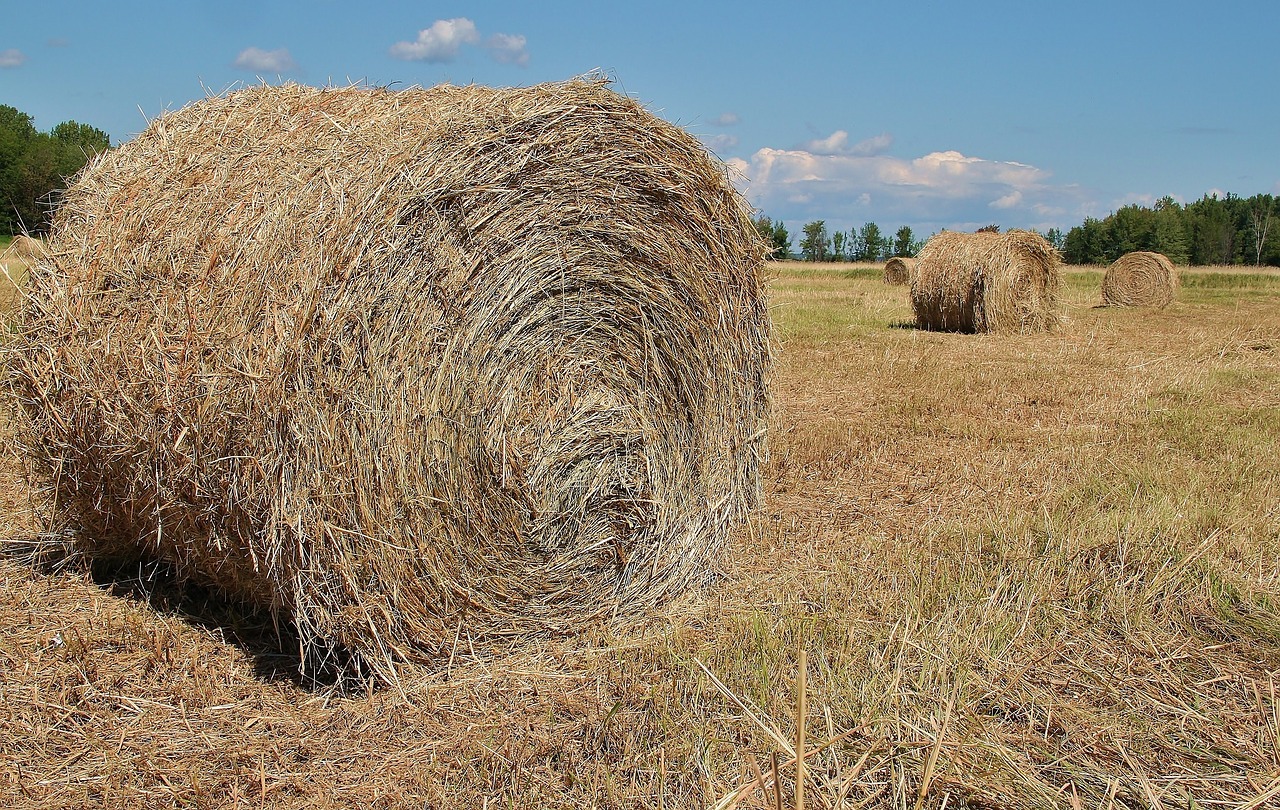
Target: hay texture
(414, 368)
(987, 282)
(897, 271)
(1140, 279)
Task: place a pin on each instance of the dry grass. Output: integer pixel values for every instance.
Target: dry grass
(1027, 571)
(423, 371)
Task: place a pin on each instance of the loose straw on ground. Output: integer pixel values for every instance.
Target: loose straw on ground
(414, 369)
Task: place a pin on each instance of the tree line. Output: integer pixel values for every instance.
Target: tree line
(1212, 230)
(865, 244)
(35, 166)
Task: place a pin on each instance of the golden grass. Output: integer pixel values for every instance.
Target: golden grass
(1026, 571)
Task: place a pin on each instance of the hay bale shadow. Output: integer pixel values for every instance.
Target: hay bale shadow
(270, 640)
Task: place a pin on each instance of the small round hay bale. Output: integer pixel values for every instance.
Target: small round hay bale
(987, 282)
(408, 367)
(25, 248)
(897, 271)
(1140, 279)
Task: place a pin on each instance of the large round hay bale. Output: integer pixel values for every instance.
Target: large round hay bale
(897, 271)
(1140, 279)
(409, 367)
(987, 282)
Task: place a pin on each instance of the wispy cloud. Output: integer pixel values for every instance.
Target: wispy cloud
(837, 181)
(726, 119)
(837, 143)
(508, 49)
(720, 143)
(12, 58)
(277, 61)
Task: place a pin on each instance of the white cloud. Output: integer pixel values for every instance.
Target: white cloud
(840, 182)
(1010, 200)
(726, 119)
(508, 49)
(277, 61)
(440, 42)
(12, 58)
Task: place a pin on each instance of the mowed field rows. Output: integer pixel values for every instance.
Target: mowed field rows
(1025, 571)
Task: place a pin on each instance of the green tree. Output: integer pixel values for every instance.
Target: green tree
(1170, 235)
(1260, 215)
(838, 240)
(775, 233)
(35, 166)
(872, 245)
(904, 243)
(1056, 238)
(816, 243)
(1085, 244)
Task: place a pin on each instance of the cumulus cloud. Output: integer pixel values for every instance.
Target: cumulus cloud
(837, 181)
(257, 59)
(443, 41)
(440, 42)
(726, 119)
(11, 58)
(508, 49)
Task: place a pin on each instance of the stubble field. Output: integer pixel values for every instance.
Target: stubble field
(1037, 571)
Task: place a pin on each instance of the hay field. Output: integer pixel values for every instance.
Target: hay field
(1026, 571)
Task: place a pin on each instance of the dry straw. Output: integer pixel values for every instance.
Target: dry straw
(897, 271)
(1140, 279)
(987, 282)
(415, 369)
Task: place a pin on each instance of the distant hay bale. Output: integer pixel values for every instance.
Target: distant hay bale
(1140, 279)
(897, 271)
(987, 282)
(408, 367)
(25, 248)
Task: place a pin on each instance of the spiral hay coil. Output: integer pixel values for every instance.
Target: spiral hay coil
(987, 282)
(897, 271)
(1140, 279)
(407, 367)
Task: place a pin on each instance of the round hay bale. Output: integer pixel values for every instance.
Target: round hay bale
(897, 271)
(409, 367)
(25, 248)
(1140, 279)
(987, 282)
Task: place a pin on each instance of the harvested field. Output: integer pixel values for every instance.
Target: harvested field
(1027, 571)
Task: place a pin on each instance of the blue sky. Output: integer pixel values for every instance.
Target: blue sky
(929, 114)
